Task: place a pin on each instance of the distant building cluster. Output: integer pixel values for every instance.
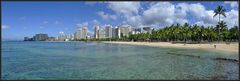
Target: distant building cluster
(108, 31)
(100, 32)
(40, 37)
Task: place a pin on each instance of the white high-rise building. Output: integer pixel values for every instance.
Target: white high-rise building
(108, 31)
(71, 37)
(84, 32)
(118, 32)
(101, 33)
(77, 34)
(81, 33)
(136, 31)
(61, 37)
(125, 30)
(96, 32)
(114, 32)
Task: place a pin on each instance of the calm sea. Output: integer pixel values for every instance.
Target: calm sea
(94, 60)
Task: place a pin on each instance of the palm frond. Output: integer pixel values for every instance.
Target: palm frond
(224, 14)
(215, 14)
(220, 7)
(223, 10)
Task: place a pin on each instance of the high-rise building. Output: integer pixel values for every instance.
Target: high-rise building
(77, 34)
(125, 30)
(116, 32)
(51, 38)
(114, 35)
(101, 33)
(61, 37)
(26, 39)
(71, 37)
(96, 32)
(108, 31)
(136, 31)
(81, 33)
(40, 37)
(90, 35)
(84, 33)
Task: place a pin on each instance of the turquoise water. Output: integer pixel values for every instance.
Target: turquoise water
(92, 60)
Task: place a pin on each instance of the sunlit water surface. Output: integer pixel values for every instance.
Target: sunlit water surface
(93, 60)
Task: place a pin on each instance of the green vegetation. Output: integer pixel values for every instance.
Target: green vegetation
(190, 33)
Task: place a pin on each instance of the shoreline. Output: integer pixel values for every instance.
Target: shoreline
(233, 47)
(219, 46)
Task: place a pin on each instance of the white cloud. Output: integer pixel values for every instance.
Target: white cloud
(201, 23)
(134, 20)
(101, 13)
(96, 22)
(5, 26)
(232, 18)
(205, 17)
(134, 14)
(125, 8)
(106, 16)
(61, 32)
(114, 17)
(165, 13)
(82, 24)
(161, 13)
(233, 4)
(128, 11)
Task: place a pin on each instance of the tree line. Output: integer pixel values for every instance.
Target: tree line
(193, 33)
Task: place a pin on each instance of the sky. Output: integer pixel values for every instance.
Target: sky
(21, 19)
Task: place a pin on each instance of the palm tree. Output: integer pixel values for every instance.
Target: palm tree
(185, 31)
(221, 27)
(195, 32)
(219, 11)
(234, 33)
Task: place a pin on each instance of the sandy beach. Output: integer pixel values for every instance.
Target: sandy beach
(233, 47)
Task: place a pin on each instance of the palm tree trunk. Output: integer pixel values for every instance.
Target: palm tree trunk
(219, 28)
(208, 39)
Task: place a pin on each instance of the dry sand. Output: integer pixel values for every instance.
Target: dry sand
(233, 47)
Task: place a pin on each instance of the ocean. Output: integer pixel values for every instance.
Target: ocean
(29, 60)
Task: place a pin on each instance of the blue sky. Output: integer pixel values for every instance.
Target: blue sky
(20, 19)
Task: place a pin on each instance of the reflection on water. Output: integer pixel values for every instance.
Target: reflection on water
(92, 60)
